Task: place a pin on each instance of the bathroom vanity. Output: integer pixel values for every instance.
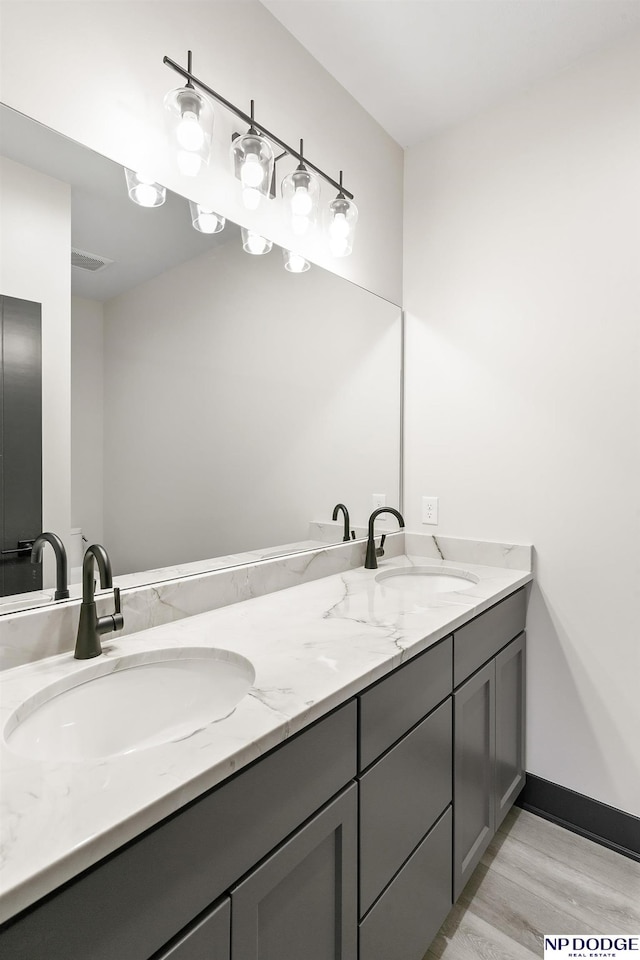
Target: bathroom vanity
(337, 812)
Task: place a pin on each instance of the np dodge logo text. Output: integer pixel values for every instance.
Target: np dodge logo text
(592, 944)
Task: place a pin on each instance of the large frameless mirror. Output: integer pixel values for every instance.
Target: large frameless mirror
(200, 405)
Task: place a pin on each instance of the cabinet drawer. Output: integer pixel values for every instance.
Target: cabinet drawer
(482, 638)
(399, 701)
(401, 796)
(208, 939)
(410, 912)
(133, 903)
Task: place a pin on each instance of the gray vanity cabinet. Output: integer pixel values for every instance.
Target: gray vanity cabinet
(489, 711)
(474, 764)
(301, 901)
(207, 939)
(405, 807)
(510, 726)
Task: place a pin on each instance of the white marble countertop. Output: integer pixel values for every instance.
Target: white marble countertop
(313, 647)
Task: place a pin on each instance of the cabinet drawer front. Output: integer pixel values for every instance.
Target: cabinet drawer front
(300, 904)
(401, 796)
(133, 903)
(479, 640)
(410, 912)
(208, 939)
(399, 701)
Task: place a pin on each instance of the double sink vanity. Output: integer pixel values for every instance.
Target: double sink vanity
(311, 773)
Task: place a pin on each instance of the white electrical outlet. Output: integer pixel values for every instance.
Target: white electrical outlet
(430, 510)
(378, 500)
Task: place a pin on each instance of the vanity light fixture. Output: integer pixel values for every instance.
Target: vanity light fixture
(144, 191)
(301, 193)
(204, 219)
(253, 159)
(253, 243)
(342, 219)
(295, 263)
(189, 119)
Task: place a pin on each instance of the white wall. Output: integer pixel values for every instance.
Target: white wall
(241, 402)
(35, 252)
(87, 403)
(522, 291)
(94, 71)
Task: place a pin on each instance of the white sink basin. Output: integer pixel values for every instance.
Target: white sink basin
(426, 581)
(119, 706)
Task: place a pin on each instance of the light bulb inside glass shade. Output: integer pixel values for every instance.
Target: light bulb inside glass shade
(294, 262)
(339, 228)
(251, 198)
(143, 190)
(189, 163)
(204, 219)
(189, 133)
(301, 202)
(251, 172)
(342, 219)
(255, 244)
(189, 123)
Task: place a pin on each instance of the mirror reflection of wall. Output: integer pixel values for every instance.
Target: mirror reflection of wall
(218, 403)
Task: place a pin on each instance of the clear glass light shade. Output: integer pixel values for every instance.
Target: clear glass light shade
(204, 219)
(341, 225)
(301, 194)
(295, 263)
(253, 243)
(144, 191)
(189, 119)
(253, 166)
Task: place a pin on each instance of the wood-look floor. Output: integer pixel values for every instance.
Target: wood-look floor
(538, 878)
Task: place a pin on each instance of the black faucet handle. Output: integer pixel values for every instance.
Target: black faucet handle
(380, 549)
(353, 534)
(116, 617)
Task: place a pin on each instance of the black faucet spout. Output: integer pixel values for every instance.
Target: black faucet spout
(62, 587)
(340, 508)
(91, 626)
(371, 558)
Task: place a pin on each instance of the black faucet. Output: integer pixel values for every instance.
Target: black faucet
(62, 588)
(348, 535)
(371, 561)
(91, 626)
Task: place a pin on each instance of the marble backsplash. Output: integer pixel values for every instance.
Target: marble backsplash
(44, 631)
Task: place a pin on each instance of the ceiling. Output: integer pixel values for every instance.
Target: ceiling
(420, 65)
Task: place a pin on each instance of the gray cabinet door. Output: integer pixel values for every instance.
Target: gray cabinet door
(474, 780)
(510, 726)
(300, 904)
(207, 939)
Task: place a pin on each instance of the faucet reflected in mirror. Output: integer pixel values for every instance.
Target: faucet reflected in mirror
(373, 552)
(348, 533)
(62, 580)
(91, 626)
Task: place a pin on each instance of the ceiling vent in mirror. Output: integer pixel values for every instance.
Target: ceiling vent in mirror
(88, 261)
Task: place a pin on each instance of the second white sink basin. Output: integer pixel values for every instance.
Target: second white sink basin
(426, 581)
(118, 706)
